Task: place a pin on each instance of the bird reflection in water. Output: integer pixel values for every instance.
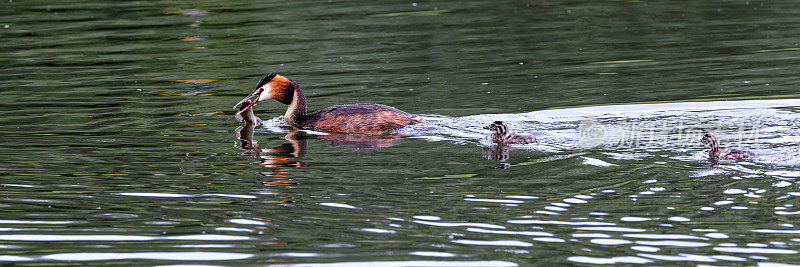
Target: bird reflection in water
(498, 153)
(279, 158)
(285, 156)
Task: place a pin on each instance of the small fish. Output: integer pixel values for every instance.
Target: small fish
(246, 114)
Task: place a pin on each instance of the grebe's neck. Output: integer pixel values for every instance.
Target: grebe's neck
(296, 111)
(501, 130)
(714, 147)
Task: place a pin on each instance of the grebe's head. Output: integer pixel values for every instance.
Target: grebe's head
(272, 86)
(497, 127)
(708, 139)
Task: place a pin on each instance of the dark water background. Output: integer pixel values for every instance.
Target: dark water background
(118, 139)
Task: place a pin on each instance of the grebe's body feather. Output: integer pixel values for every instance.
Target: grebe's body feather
(358, 118)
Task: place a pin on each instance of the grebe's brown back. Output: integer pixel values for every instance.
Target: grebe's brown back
(356, 118)
(501, 135)
(726, 153)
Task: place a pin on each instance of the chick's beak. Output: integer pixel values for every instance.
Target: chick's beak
(487, 127)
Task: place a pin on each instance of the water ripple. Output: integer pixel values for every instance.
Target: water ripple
(403, 263)
(38, 222)
(680, 257)
(433, 254)
(511, 243)
(339, 205)
(494, 200)
(755, 250)
(557, 222)
(526, 233)
(446, 224)
(611, 229)
(661, 236)
(773, 231)
(176, 256)
(609, 241)
(671, 243)
(612, 260)
(116, 237)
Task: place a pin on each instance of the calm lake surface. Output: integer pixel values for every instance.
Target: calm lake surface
(119, 144)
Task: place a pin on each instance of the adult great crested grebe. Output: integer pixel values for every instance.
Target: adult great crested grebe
(355, 118)
(727, 153)
(501, 135)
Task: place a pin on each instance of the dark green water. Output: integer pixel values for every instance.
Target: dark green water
(119, 145)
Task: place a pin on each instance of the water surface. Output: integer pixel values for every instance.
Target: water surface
(120, 147)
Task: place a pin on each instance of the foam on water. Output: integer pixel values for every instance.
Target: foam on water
(633, 131)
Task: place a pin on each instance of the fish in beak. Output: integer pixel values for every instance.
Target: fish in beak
(256, 93)
(247, 100)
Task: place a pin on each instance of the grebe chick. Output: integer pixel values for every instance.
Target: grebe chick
(727, 153)
(355, 118)
(501, 135)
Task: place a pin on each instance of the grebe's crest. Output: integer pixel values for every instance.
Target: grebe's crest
(264, 80)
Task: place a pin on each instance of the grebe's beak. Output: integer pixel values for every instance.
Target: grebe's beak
(256, 93)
